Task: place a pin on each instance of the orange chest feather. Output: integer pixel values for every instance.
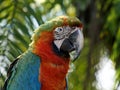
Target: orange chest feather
(53, 68)
(52, 77)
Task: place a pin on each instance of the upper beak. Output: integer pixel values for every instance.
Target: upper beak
(73, 44)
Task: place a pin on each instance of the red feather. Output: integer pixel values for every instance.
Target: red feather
(53, 68)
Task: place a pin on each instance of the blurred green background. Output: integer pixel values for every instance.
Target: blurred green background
(101, 19)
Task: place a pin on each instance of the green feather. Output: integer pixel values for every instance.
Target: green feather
(52, 24)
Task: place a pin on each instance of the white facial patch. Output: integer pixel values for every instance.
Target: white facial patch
(58, 43)
(62, 33)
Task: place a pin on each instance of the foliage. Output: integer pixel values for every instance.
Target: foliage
(19, 18)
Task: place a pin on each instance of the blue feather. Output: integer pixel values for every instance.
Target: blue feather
(25, 73)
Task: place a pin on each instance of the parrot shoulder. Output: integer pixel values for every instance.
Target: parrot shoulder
(23, 73)
(9, 72)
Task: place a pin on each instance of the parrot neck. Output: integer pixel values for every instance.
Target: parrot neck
(53, 68)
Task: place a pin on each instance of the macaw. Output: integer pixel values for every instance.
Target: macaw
(46, 62)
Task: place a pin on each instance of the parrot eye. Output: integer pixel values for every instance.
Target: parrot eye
(59, 33)
(59, 30)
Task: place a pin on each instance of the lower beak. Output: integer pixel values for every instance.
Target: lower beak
(73, 44)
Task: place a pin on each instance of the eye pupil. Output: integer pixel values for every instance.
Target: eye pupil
(60, 29)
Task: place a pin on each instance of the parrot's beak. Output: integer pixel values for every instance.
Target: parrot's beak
(73, 44)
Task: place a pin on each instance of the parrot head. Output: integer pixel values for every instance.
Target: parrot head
(68, 40)
(63, 34)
